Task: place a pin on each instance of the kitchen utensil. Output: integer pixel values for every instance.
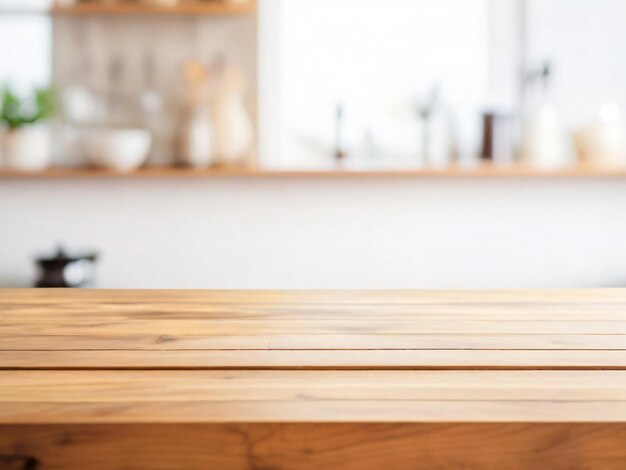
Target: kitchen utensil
(116, 109)
(150, 99)
(62, 270)
(438, 132)
(340, 148)
(152, 103)
(80, 104)
(122, 149)
(543, 143)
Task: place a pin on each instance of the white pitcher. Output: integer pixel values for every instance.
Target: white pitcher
(196, 132)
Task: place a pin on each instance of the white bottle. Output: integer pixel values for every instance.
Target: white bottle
(438, 133)
(544, 140)
(440, 140)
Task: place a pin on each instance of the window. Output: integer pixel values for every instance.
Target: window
(27, 61)
(379, 59)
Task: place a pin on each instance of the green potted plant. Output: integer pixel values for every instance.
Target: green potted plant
(26, 144)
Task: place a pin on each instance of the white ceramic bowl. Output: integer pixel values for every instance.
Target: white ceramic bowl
(118, 149)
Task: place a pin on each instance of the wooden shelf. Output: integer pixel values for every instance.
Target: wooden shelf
(212, 7)
(96, 173)
(484, 172)
(215, 7)
(22, 11)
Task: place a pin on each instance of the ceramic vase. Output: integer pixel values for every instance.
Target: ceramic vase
(233, 129)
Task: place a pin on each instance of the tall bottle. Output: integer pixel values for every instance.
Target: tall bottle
(543, 141)
(438, 131)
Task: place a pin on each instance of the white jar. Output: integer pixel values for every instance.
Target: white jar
(602, 143)
(27, 148)
(544, 143)
(196, 138)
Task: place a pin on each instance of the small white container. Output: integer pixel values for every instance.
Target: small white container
(602, 143)
(118, 149)
(544, 142)
(196, 139)
(27, 148)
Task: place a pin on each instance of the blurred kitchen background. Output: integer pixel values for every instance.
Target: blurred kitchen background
(313, 143)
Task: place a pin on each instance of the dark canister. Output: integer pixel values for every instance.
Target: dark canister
(498, 138)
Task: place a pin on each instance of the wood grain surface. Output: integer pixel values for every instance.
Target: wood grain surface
(41, 397)
(309, 380)
(319, 447)
(191, 329)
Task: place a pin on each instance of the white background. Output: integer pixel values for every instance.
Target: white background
(334, 233)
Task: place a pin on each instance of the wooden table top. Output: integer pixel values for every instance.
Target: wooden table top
(292, 357)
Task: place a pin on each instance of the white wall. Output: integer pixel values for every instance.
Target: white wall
(311, 233)
(317, 233)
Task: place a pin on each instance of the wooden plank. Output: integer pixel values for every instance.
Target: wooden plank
(590, 322)
(50, 297)
(312, 297)
(95, 305)
(312, 342)
(321, 359)
(264, 327)
(327, 411)
(314, 447)
(37, 317)
(39, 397)
(262, 385)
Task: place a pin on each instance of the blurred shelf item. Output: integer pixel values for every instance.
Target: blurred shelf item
(485, 171)
(199, 7)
